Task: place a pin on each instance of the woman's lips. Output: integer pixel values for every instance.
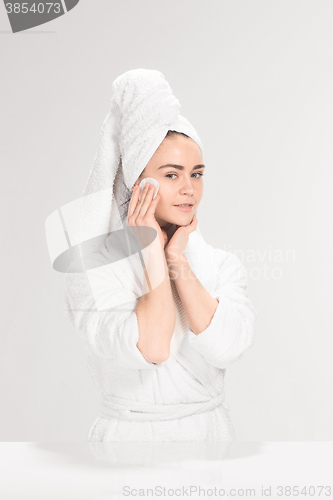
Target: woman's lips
(184, 209)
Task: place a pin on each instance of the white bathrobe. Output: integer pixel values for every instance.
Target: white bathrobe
(183, 398)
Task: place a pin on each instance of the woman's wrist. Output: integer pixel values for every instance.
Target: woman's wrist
(176, 263)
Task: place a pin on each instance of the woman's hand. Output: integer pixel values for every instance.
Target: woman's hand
(179, 240)
(142, 213)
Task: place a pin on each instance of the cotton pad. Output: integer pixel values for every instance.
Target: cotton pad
(151, 181)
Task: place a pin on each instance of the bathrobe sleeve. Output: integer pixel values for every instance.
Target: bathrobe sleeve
(231, 330)
(111, 329)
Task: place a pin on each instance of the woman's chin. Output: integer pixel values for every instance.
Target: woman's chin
(182, 221)
(184, 218)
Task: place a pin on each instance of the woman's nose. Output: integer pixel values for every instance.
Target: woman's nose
(188, 188)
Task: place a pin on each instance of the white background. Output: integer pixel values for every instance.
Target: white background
(255, 79)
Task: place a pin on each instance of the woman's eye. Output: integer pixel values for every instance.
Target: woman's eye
(195, 173)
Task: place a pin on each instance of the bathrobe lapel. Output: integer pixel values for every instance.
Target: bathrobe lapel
(202, 261)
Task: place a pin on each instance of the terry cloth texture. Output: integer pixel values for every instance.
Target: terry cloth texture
(181, 399)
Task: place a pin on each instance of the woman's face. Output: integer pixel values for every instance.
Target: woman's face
(178, 167)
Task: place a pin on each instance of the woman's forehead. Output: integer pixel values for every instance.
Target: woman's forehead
(177, 150)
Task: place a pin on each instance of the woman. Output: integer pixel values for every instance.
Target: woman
(159, 326)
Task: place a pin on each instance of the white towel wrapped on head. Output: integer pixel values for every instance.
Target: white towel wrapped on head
(190, 382)
(143, 109)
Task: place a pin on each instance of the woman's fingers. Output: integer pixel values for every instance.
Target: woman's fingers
(139, 203)
(133, 202)
(194, 223)
(152, 207)
(138, 208)
(145, 200)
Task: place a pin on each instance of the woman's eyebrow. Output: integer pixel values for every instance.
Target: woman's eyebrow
(180, 167)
